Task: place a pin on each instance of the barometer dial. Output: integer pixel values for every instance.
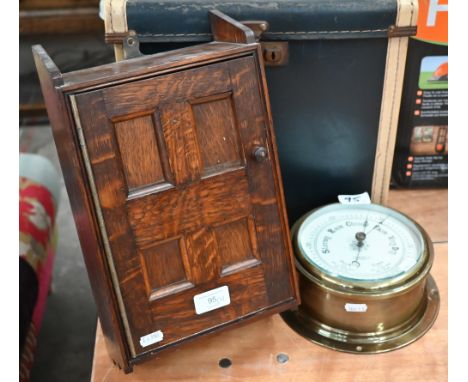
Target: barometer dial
(364, 277)
(365, 243)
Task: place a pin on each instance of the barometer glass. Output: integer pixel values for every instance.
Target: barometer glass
(365, 243)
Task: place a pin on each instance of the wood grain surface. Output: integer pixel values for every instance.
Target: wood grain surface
(158, 193)
(428, 207)
(60, 21)
(80, 200)
(253, 349)
(225, 28)
(146, 65)
(168, 194)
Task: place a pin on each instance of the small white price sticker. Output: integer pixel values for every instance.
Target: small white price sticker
(359, 308)
(355, 199)
(211, 300)
(151, 338)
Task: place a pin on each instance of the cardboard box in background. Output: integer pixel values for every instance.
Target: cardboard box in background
(421, 153)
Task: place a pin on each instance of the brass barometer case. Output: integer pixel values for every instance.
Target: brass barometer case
(369, 313)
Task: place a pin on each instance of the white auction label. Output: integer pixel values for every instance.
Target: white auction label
(151, 338)
(211, 300)
(363, 198)
(360, 308)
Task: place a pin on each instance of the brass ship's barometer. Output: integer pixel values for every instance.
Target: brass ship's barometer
(364, 278)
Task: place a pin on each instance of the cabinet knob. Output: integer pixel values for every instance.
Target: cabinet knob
(260, 154)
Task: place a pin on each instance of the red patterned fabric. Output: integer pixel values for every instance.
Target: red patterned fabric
(27, 355)
(36, 222)
(37, 210)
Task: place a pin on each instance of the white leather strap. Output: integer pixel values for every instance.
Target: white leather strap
(115, 21)
(115, 16)
(407, 15)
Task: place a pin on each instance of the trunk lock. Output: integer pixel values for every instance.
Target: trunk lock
(275, 53)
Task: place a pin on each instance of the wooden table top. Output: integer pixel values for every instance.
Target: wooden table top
(253, 348)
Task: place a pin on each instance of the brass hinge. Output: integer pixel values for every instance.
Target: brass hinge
(131, 46)
(394, 31)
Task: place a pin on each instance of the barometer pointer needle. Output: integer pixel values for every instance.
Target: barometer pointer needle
(360, 236)
(355, 261)
(379, 223)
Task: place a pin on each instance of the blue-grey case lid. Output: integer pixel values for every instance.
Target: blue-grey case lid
(183, 20)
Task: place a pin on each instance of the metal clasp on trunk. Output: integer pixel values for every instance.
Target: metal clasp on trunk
(131, 46)
(275, 53)
(257, 26)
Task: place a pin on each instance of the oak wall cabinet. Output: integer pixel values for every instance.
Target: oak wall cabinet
(171, 167)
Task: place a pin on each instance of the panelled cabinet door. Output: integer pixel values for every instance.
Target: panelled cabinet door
(187, 205)
(175, 163)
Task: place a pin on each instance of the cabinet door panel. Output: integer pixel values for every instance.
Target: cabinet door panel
(186, 207)
(141, 163)
(217, 134)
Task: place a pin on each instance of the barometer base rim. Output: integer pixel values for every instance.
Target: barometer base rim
(372, 345)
